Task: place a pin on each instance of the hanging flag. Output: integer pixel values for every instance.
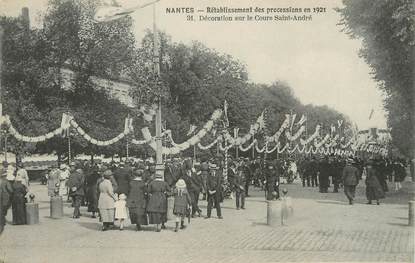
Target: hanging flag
(66, 124)
(339, 123)
(294, 116)
(235, 132)
(371, 114)
(191, 130)
(302, 120)
(225, 109)
(333, 128)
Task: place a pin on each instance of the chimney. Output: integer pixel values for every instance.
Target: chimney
(25, 17)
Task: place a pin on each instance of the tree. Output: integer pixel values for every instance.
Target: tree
(36, 96)
(387, 30)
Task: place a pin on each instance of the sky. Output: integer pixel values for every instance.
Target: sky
(318, 61)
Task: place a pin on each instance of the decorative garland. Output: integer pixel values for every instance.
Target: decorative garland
(322, 142)
(284, 125)
(294, 137)
(207, 147)
(312, 137)
(177, 148)
(249, 146)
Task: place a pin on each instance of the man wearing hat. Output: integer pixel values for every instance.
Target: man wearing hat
(350, 180)
(214, 190)
(6, 191)
(23, 174)
(193, 185)
(76, 184)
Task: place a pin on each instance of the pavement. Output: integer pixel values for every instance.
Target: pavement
(324, 228)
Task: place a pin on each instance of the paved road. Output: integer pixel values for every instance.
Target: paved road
(324, 229)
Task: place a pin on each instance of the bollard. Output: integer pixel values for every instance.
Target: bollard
(274, 213)
(170, 206)
(411, 213)
(56, 207)
(32, 213)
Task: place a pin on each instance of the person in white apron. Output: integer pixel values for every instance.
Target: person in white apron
(63, 177)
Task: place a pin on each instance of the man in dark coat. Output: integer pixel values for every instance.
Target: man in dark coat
(248, 174)
(323, 176)
(272, 181)
(350, 180)
(6, 191)
(123, 175)
(194, 185)
(313, 169)
(214, 190)
(76, 184)
(239, 183)
(305, 170)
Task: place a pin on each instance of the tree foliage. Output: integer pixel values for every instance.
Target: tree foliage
(194, 81)
(387, 30)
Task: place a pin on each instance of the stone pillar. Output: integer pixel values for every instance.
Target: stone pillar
(411, 213)
(32, 213)
(274, 216)
(56, 207)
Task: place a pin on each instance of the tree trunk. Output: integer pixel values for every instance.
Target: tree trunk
(92, 159)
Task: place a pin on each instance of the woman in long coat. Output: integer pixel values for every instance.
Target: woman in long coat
(157, 204)
(106, 201)
(19, 202)
(137, 199)
(92, 190)
(374, 190)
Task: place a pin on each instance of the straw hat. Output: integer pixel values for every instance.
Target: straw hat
(107, 174)
(181, 183)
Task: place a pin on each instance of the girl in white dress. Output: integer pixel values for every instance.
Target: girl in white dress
(121, 209)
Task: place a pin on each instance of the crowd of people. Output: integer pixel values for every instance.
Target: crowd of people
(135, 190)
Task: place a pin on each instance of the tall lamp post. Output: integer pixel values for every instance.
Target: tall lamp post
(1, 71)
(104, 14)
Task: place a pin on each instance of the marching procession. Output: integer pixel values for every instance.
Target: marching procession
(118, 191)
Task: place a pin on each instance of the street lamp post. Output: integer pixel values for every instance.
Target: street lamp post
(112, 13)
(1, 71)
(156, 61)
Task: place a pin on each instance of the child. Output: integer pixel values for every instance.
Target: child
(287, 207)
(121, 210)
(182, 203)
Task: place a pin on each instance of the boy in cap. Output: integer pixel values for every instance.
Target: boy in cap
(214, 190)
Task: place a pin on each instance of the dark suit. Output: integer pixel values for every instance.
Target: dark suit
(123, 177)
(239, 183)
(137, 201)
(6, 191)
(76, 184)
(350, 180)
(194, 184)
(214, 191)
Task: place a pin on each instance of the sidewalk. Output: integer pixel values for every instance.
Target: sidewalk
(324, 228)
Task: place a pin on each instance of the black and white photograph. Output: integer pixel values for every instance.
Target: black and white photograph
(204, 131)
